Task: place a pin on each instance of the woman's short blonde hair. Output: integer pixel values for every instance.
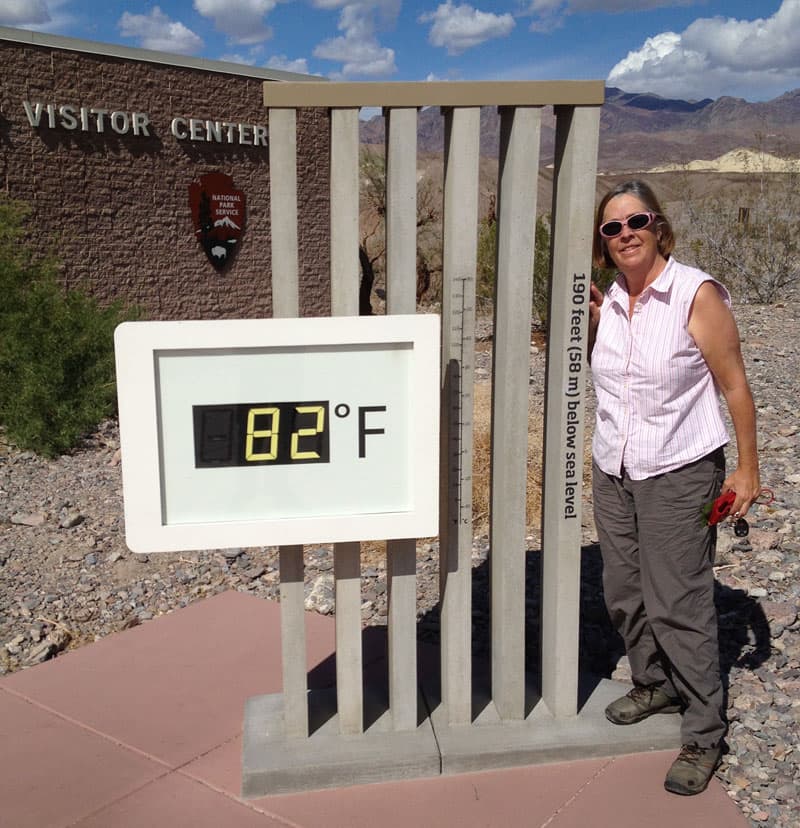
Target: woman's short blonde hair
(663, 228)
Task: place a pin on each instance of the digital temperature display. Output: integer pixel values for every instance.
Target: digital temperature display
(264, 433)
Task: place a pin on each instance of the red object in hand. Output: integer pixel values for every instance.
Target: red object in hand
(720, 508)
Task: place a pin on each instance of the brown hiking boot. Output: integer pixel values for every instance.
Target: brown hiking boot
(692, 770)
(640, 703)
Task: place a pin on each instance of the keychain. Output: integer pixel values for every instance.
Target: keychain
(721, 507)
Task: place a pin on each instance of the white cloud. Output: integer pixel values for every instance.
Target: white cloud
(771, 43)
(610, 6)
(377, 14)
(38, 15)
(358, 57)
(458, 28)
(253, 56)
(286, 65)
(547, 14)
(238, 57)
(157, 31)
(550, 14)
(358, 48)
(241, 20)
(618, 6)
(22, 12)
(718, 56)
(547, 6)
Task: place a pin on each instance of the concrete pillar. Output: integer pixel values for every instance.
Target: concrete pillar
(577, 131)
(516, 222)
(462, 134)
(286, 303)
(344, 302)
(401, 297)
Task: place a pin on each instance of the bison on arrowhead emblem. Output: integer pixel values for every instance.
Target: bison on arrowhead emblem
(218, 215)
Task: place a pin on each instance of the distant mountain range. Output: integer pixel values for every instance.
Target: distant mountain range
(639, 131)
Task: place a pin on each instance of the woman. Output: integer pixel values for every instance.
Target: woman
(663, 343)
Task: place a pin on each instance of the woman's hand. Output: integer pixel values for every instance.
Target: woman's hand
(595, 301)
(747, 485)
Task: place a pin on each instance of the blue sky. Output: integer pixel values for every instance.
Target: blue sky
(676, 48)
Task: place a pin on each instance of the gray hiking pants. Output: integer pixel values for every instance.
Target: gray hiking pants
(658, 581)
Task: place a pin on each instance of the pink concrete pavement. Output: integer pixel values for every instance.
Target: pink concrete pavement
(143, 728)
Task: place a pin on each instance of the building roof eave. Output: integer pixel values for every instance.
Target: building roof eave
(150, 56)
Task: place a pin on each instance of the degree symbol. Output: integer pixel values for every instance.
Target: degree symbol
(342, 410)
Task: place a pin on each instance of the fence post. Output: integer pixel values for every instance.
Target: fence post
(286, 303)
(462, 125)
(401, 297)
(344, 302)
(516, 223)
(577, 131)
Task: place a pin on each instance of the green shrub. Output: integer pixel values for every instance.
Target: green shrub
(56, 350)
(487, 259)
(541, 268)
(603, 277)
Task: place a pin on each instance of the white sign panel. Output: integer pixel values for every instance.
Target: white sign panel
(278, 431)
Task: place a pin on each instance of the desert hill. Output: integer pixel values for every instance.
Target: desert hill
(642, 131)
(740, 160)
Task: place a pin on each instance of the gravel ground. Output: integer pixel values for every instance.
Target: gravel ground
(67, 578)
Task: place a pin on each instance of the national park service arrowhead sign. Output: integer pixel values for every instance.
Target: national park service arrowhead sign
(218, 215)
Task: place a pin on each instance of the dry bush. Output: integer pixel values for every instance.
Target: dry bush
(751, 244)
(481, 462)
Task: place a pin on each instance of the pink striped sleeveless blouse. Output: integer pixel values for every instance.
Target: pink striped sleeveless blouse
(657, 402)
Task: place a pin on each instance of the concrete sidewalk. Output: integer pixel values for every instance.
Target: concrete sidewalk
(143, 728)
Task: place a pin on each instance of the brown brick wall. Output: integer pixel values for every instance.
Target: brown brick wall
(114, 208)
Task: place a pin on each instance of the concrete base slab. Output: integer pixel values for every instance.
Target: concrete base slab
(491, 743)
(275, 764)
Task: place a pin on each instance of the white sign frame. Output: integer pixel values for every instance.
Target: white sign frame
(147, 464)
